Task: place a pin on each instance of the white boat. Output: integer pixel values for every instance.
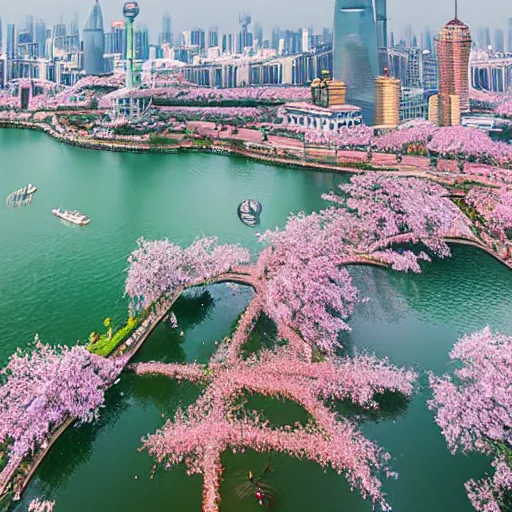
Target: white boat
(21, 197)
(75, 217)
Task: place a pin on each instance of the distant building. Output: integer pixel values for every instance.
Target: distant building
(510, 35)
(3, 70)
(166, 34)
(141, 43)
(387, 101)
(94, 42)
(405, 64)
(484, 37)
(498, 42)
(213, 37)
(453, 45)
(11, 42)
(413, 104)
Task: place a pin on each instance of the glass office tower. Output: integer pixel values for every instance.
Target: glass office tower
(355, 55)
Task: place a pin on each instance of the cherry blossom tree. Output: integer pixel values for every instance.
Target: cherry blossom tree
(161, 267)
(214, 423)
(474, 411)
(495, 206)
(41, 388)
(302, 282)
(37, 505)
(308, 286)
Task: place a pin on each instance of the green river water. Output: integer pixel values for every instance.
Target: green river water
(61, 281)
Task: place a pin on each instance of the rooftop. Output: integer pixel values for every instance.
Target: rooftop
(309, 107)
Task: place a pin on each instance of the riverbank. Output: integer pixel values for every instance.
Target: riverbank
(286, 156)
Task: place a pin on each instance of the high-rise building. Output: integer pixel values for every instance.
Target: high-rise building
(387, 101)
(166, 34)
(276, 35)
(228, 44)
(355, 58)
(498, 42)
(94, 42)
(453, 45)
(198, 38)
(11, 41)
(74, 30)
(304, 40)
(258, 34)
(381, 17)
(115, 39)
(29, 27)
(408, 36)
(244, 38)
(510, 34)
(130, 12)
(40, 37)
(213, 37)
(1, 37)
(484, 37)
(3, 71)
(426, 43)
(59, 30)
(327, 35)
(141, 42)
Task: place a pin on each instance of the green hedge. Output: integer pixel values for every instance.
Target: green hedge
(105, 346)
(163, 141)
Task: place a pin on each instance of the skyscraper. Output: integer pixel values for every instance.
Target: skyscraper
(74, 30)
(1, 37)
(498, 42)
(382, 33)
(141, 42)
(355, 59)
(427, 40)
(166, 34)
(258, 34)
(40, 37)
(116, 39)
(510, 34)
(408, 36)
(484, 37)
(213, 37)
(11, 42)
(453, 45)
(94, 42)
(276, 35)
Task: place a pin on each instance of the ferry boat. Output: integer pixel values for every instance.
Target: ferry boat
(75, 217)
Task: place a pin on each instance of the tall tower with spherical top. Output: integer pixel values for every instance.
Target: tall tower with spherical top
(130, 11)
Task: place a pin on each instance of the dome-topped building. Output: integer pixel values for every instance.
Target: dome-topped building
(94, 42)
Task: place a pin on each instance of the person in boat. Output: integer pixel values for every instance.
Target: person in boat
(259, 496)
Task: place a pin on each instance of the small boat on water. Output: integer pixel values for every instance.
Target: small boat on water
(21, 197)
(75, 217)
(249, 212)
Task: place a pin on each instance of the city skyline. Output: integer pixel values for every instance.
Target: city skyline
(269, 14)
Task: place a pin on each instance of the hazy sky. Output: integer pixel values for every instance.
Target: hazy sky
(285, 13)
